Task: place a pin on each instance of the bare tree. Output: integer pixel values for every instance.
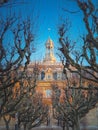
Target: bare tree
(33, 111)
(3, 1)
(74, 105)
(7, 119)
(6, 3)
(20, 92)
(79, 97)
(73, 59)
(14, 54)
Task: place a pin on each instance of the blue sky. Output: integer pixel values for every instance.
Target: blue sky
(47, 14)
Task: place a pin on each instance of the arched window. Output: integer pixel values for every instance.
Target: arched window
(55, 75)
(42, 75)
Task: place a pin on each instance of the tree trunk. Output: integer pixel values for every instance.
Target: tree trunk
(77, 123)
(73, 128)
(7, 125)
(19, 127)
(67, 126)
(24, 126)
(7, 121)
(63, 125)
(58, 122)
(47, 122)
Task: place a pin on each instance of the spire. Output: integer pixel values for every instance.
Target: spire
(49, 55)
(49, 44)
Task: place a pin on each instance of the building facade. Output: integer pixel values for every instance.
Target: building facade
(50, 72)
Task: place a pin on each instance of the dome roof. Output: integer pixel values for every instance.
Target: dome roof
(49, 43)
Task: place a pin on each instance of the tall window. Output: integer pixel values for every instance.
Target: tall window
(59, 76)
(48, 93)
(63, 76)
(42, 75)
(55, 75)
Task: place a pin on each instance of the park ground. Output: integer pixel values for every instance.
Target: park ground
(55, 128)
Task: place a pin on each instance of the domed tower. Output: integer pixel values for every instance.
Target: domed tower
(49, 56)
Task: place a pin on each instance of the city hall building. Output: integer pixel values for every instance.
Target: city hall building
(50, 72)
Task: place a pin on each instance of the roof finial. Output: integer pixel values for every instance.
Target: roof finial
(49, 29)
